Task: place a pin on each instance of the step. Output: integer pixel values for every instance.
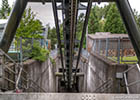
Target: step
(61, 74)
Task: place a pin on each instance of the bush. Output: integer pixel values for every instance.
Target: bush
(39, 53)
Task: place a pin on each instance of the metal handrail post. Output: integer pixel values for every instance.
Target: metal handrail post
(126, 83)
(21, 55)
(18, 78)
(138, 67)
(118, 51)
(99, 46)
(107, 45)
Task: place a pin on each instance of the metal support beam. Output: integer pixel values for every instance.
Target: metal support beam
(58, 33)
(67, 44)
(74, 10)
(130, 23)
(83, 34)
(78, 3)
(13, 22)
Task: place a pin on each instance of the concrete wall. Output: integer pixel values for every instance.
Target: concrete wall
(42, 73)
(98, 70)
(82, 80)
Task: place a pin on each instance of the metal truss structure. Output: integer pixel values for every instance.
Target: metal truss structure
(70, 10)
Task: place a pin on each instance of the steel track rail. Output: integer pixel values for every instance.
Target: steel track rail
(74, 8)
(83, 35)
(58, 33)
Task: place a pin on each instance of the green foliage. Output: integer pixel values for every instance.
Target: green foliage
(39, 53)
(29, 26)
(80, 23)
(5, 10)
(94, 20)
(114, 23)
(138, 21)
(52, 35)
(137, 16)
(52, 61)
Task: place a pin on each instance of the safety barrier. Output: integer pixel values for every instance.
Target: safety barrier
(14, 77)
(126, 80)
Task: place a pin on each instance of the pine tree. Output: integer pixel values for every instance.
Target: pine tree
(29, 26)
(114, 23)
(94, 20)
(138, 21)
(5, 10)
(80, 24)
(137, 17)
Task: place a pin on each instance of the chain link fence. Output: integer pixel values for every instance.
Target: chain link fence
(21, 48)
(119, 50)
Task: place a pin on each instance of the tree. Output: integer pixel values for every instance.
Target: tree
(29, 26)
(52, 35)
(114, 23)
(80, 23)
(94, 20)
(5, 10)
(106, 9)
(137, 16)
(138, 21)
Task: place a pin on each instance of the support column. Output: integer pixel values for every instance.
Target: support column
(13, 22)
(67, 44)
(130, 23)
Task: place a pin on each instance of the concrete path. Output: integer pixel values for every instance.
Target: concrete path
(68, 96)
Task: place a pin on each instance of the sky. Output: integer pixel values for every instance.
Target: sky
(45, 13)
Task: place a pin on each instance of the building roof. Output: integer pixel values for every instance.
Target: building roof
(3, 22)
(104, 35)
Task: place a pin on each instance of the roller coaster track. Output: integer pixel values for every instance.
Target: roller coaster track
(70, 17)
(70, 9)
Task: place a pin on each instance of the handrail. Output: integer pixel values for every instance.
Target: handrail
(129, 69)
(18, 78)
(7, 56)
(125, 78)
(21, 77)
(138, 67)
(10, 69)
(19, 74)
(37, 85)
(9, 80)
(5, 66)
(108, 82)
(126, 83)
